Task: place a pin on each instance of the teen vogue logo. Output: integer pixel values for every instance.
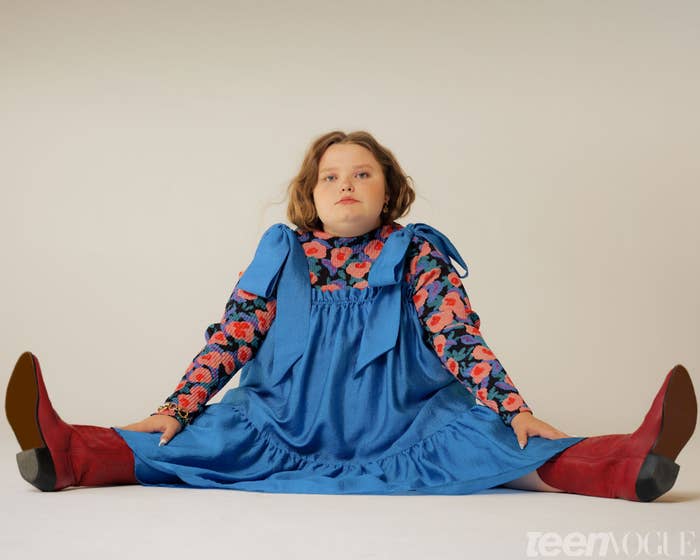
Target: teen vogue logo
(631, 544)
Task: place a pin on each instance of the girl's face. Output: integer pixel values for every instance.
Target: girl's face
(349, 170)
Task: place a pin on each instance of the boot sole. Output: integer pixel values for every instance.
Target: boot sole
(678, 418)
(22, 410)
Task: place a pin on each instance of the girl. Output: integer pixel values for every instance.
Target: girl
(363, 370)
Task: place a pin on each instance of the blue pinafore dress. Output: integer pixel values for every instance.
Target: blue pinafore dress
(342, 397)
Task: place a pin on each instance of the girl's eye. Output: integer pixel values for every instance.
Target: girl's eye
(360, 173)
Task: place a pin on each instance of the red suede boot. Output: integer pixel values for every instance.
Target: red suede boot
(639, 466)
(56, 454)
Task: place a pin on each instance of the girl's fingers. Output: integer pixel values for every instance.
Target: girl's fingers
(555, 434)
(142, 426)
(521, 436)
(166, 437)
(169, 432)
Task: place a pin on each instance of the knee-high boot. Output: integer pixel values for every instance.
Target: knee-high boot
(639, 466)
(56, 454)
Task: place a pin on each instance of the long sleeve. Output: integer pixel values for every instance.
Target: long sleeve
(451, 329)
(230, 343)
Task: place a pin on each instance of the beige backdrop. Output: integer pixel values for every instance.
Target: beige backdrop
(146, 147)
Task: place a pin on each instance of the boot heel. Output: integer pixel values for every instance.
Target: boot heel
(656, 477)
(36, 467)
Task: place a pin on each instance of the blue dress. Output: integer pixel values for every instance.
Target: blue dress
(342, 397)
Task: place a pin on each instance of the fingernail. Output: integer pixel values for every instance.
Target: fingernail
(162, 442)
(521, 445)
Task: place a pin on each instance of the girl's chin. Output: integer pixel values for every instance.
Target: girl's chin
(354, 223)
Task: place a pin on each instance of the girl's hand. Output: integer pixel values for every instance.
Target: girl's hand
(157, 423)
(525, 424)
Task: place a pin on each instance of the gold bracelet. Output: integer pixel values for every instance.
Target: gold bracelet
(181, 412)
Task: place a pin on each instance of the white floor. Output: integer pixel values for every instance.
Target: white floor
(146, 522)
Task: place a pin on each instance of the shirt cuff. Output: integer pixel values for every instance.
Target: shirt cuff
(508, 415)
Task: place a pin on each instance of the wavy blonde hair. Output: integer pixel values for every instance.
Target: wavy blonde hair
(301, 210)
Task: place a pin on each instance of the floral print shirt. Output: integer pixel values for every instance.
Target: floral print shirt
(450, 325)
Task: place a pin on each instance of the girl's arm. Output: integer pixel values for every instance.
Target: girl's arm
(229, 345)
(451, 329)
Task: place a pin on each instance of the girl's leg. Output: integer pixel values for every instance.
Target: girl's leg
(531, 481)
